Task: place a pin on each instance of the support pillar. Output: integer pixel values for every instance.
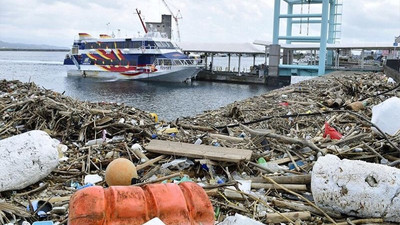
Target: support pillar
(289, 23)
(205, 61)
(288, 56)
(229, 62)
(331, 32)
(277, 9)
(240, 56)
(324, 37)
(254, 60)
(362, 59)
(274, 58)
(212, 62)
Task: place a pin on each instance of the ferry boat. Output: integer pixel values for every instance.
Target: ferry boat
(152, 57)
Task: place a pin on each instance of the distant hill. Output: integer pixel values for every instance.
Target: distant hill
(7, 45)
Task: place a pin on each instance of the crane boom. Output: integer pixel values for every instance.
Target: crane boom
(175, 19)
(144, 27)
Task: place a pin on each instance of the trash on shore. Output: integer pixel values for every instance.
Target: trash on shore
(26, 159)
(254, 157)
(344, 185)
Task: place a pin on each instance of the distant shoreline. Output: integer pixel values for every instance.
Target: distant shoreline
(34, 50)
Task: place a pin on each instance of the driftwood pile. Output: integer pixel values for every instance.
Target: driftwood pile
(283, 129)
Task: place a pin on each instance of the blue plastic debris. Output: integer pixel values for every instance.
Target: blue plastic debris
(43, 223)
(44, 207)
(299, 163)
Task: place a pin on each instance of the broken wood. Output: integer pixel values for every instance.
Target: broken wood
(279, 217)
(199, 151)
(294, 187)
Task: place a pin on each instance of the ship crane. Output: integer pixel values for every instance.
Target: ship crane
(176, 18)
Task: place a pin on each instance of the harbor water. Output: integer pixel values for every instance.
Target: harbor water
(168, 100)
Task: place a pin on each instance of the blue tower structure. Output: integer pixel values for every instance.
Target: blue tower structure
(329, 19)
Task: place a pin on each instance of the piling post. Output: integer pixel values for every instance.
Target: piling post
(205, 61)
(362, 59)
(229, 62)
(212, 62)
(240, 56)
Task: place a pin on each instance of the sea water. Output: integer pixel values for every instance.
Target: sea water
(168, 100)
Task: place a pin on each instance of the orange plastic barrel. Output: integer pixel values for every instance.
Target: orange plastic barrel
(186, 203)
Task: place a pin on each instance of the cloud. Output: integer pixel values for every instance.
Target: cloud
(58, 22)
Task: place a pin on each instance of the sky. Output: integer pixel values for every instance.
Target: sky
(57, 22)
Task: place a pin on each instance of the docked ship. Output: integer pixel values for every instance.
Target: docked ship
(151, 57)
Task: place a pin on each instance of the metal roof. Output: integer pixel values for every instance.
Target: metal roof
(234, 48)
(366, 46)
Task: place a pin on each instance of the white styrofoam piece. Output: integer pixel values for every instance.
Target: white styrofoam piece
(356, 188)
(26, 159)
(154, 221)
(92, 179)
(386, 116)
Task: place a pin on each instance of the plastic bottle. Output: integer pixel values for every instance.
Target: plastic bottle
(262, 161)
(198, 141)
(186, 203)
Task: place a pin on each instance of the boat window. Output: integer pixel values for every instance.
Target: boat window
(120, 44)
(150, 44)
(165, 62)
(137, 44)
(169, 44)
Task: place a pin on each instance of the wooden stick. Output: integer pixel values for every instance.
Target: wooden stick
(296, 179)
(284, 138)
(278, 218)
(256, 198)
(149, 162)
(293, 161)
(348, 140)
(228, 138)
(38, 189)
(373, 150)
(161, 179)
(193, 127)
(301, 207)
(300, 196)
(362, 221)
(295, 187)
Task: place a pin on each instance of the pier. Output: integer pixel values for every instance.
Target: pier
(324, 51)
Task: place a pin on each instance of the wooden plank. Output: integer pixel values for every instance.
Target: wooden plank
(199, 151)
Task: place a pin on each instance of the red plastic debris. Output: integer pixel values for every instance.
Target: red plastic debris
(284, 103)
(333, 134)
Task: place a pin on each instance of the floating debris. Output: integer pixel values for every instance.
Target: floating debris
(254, 157)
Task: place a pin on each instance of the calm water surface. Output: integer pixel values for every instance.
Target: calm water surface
(168, 100)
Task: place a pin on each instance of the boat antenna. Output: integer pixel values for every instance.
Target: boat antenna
(141, 20)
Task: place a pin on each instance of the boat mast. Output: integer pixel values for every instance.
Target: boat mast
(144, 27)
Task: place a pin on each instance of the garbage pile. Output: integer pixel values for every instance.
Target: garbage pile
(262, 160)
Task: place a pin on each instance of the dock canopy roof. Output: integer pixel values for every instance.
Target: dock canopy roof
(233, 48)
(305, 46)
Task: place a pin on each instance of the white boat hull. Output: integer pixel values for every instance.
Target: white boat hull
(164, 74)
